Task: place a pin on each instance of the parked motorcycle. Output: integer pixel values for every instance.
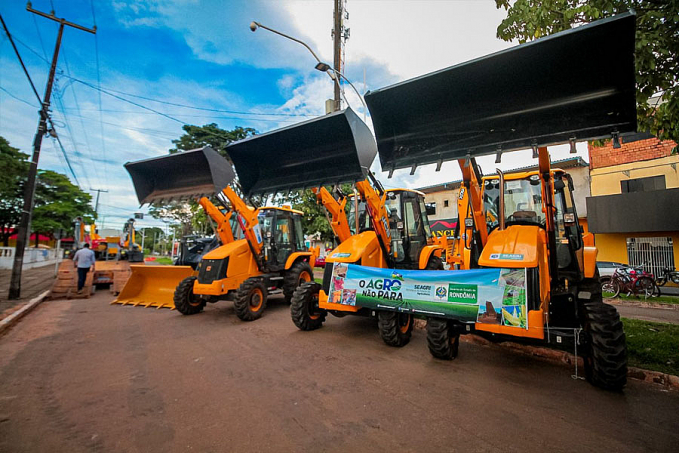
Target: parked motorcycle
(668, 274)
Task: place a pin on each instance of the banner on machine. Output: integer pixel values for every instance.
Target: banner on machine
(488, 296)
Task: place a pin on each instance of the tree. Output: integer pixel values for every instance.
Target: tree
(57, 203)
(14, 166)
(190, 214)
(656, 50)
(209, 135)
(315, 219)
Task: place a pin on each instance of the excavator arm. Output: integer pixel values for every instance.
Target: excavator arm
(471, 218)
(339, 222)
(247, 218)
(375, 201)
(222, 220)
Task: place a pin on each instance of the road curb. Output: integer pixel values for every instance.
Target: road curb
(641, 304)
(17, 315)
(564, 358)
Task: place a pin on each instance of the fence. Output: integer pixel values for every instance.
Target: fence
(654, 253)
(32, 257)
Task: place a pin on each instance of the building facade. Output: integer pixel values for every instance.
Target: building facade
(633, 208)
(441, 199)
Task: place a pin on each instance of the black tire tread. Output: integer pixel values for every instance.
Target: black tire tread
(241, 301)
(434, 264)
(606, 358)
(291, 279)
(439, 339)
(299, 307)
(387, 322)
(182, 294)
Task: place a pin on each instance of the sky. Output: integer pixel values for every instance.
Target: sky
(125, 93)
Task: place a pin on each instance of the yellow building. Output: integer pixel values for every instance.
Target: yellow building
(634, 207)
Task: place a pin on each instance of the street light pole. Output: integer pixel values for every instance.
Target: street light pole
(333, 73)
(24, 228)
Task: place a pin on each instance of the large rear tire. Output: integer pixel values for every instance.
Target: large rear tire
(395, 328)
(250, 300)
(434, 264)
(304, 307)
(606, 354)
(298, 274)
(442, 340)
(185, 301)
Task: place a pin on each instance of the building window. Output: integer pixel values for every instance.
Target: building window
(431, 208)
(643, 184)
(445, 203)
(654, 253)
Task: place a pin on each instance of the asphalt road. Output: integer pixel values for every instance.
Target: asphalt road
(84, 375)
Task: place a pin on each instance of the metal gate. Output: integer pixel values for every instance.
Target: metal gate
(654, 253)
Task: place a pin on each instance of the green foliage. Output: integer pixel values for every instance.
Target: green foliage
(652, 345)
(209, 135)
(656, 52)
(315, 218)
(152, 239)
(58, 202)
(14, 166)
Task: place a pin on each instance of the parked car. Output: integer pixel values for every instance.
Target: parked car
(607, 268)
(320, 261)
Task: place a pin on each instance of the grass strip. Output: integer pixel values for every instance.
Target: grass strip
(652, 345)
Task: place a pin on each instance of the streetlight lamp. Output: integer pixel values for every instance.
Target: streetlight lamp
(333, 73)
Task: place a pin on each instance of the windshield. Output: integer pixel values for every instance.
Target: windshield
(265, 222)
(523, 202)
(363, 218)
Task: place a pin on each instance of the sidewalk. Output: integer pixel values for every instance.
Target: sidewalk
(33, 282)
(655, 314)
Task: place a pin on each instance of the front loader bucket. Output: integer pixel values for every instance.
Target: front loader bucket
(575, 85)
(332, 149)
(189, 174)
(152, 286)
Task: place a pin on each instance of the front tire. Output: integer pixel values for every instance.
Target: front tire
(442, 340)
(185, 301)
(298, 274)
(250, 300)
(304, 307)
(606, 355)
(395, 328)
(434, 264)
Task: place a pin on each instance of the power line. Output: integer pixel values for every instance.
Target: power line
(16, 51)
(101, 115)
(233, 112)
(77, 105)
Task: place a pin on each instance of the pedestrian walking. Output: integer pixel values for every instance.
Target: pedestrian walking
(84, 261)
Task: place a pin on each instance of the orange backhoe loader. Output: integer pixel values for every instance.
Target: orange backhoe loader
(546, 92)
(272, 257)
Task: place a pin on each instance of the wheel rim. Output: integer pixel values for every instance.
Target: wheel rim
(256, 299)
(404, 322)
(313, 307)
(304, 277)
(192, 299)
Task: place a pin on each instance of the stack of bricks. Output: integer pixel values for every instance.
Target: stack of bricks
(640, 150)
(66, 284)
(120, 277)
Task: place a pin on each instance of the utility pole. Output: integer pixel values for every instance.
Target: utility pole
(337, 49)
(23, 231)
(96, 203)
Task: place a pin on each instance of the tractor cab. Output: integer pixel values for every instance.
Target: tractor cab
(408, 224)
(524, 205)
(282, 234)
